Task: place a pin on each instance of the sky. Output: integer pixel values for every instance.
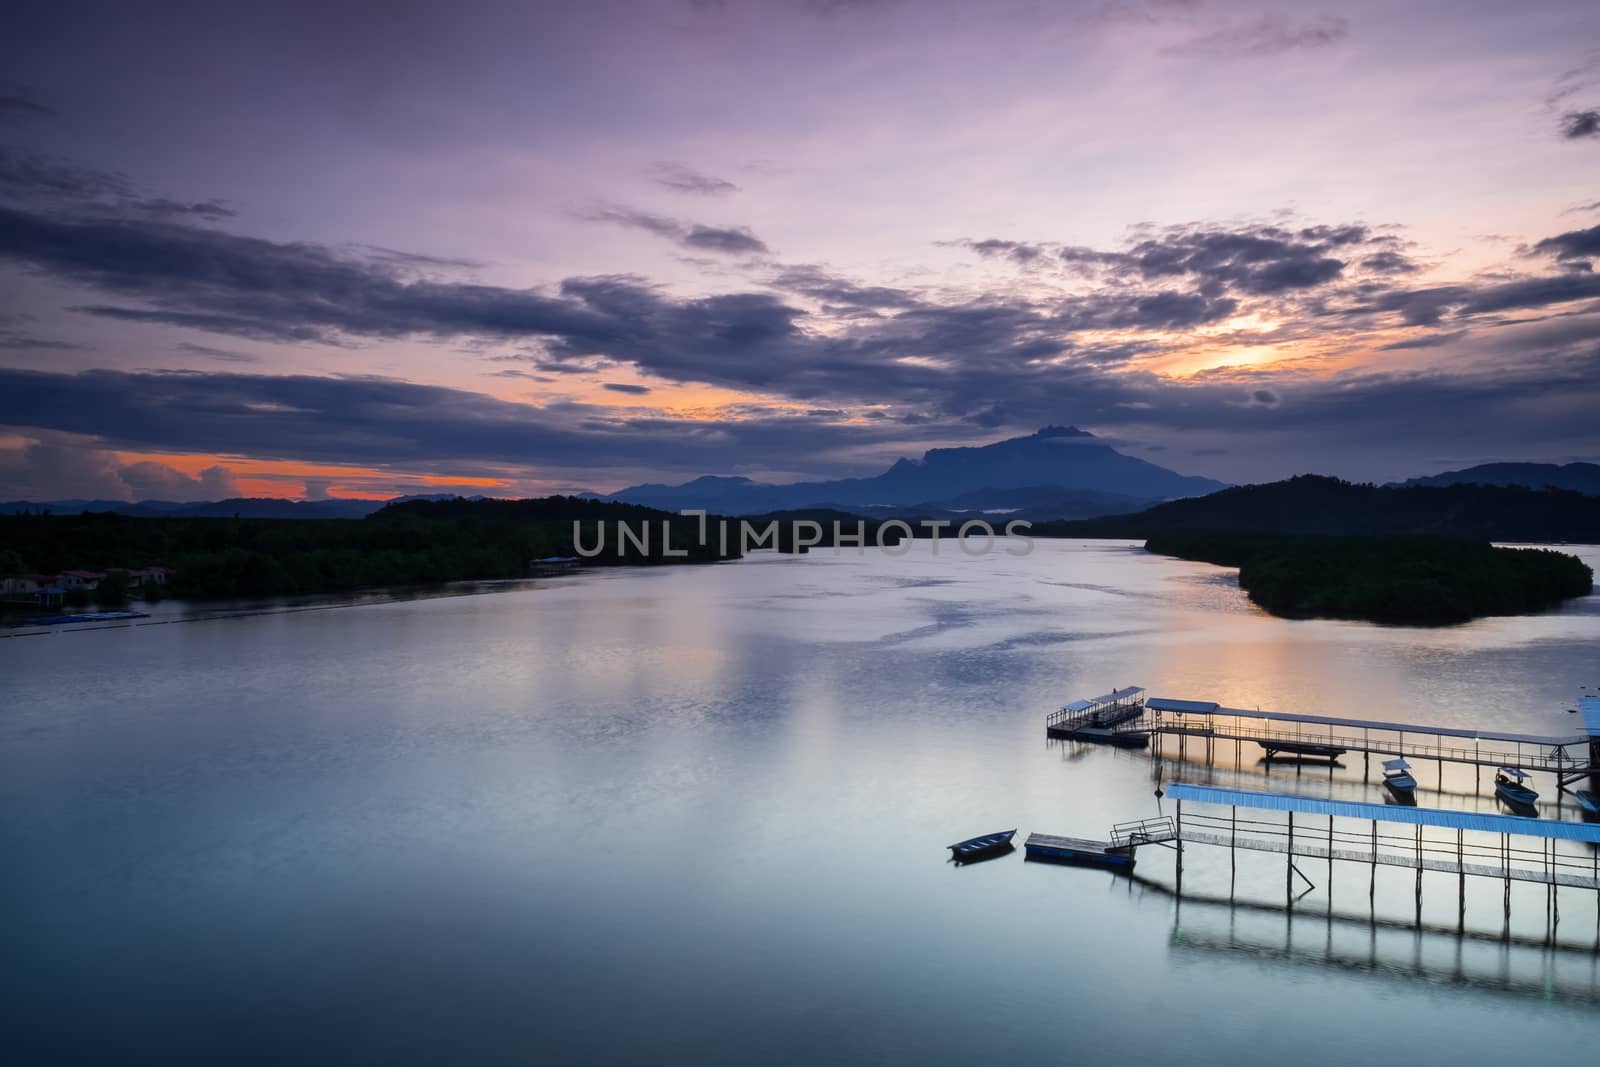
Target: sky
(365, 249)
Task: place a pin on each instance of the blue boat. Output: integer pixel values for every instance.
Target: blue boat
(979, 848)
(1398, 779)
(1509, 787)
(87, 616)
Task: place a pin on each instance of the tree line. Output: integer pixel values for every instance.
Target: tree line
(1398, 580)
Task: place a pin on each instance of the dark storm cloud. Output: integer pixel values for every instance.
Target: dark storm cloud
(822, 9)
(1169, 311)
(727, 240)
(1269, 35)
(1430, 307)
(383, 421)
(682, 179)
(1021, 252)
(15, 103)
(36, 179)
(1432, 340)
(1390, 263)
(15, 336)
(1577, 125)
(221, 355)
(1259, 260)
(954, 359)
(1575, 245)
(418, 261)
(833, 8)
(835, 289)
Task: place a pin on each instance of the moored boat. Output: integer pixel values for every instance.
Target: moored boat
(976, 848)
(1509, 786)
(1398, 779)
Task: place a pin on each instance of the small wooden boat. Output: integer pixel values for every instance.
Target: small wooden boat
(1588, 801)
(1508, 786)
(977, 848)
(1397, 778)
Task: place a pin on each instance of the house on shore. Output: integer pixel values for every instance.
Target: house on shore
(50, 589)
(79, 579)
(32, 589)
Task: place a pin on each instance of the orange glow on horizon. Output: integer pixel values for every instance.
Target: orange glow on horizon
(286, 478)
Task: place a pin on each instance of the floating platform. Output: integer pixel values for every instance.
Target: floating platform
(1101, 735)
(1079, 850)
(86, 616)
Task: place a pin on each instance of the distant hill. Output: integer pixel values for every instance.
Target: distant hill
(1063, 459)
(1579, 477)
(1313, 504)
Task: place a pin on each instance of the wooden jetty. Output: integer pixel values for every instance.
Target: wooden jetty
(1476, 845)
(1129, 718)
(1101, 719)
(1490, 853)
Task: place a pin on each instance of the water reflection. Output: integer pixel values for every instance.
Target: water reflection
(1205, 932)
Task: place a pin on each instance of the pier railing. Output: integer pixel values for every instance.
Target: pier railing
(1143, 832)
(1526, 755)
(1457, 855)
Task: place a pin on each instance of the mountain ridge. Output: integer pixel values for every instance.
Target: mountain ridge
(1062, 457)
(1579, 477)
(1315, 504)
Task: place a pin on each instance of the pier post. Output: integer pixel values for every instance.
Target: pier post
(1372, 873)
(1461, 867)
(1179, 827)
(1505, 863)
(1288, 870)
(1420, 875)
(1233, 850)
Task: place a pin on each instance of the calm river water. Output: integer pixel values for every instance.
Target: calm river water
(698, 815)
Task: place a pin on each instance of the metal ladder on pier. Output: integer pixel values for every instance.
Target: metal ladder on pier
(1130, 835)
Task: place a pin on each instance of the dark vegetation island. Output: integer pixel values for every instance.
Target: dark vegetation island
(409, 543)
(1318, 547)
(1419, 581)
(1318, 505)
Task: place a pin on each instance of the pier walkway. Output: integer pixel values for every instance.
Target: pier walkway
(1504, 860)
(1130, 719)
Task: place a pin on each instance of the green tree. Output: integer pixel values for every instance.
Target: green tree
(112, 589)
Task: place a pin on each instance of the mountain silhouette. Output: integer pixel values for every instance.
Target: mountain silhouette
(1062, 457)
